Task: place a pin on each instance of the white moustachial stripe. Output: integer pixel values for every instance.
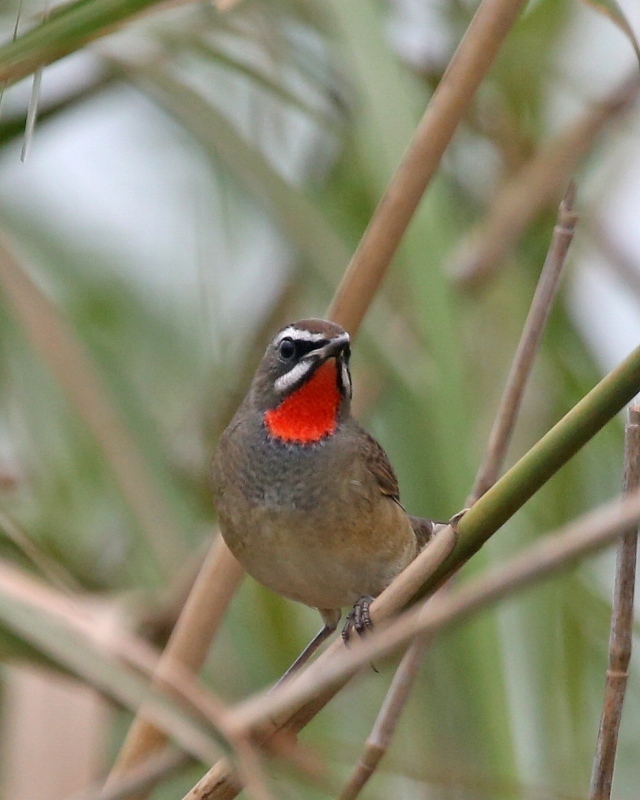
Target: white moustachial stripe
(293, 376)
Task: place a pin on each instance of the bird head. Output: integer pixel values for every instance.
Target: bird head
(303, 383)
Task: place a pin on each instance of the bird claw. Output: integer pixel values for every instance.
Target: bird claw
(359, 619)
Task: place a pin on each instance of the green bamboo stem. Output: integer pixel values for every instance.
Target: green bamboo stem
(64, 32)
(537, 466)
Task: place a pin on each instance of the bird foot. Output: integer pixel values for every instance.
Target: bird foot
(359, 619)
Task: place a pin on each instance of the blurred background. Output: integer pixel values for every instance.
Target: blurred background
(198, 179)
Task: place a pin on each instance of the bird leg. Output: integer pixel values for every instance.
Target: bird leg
(331, 620)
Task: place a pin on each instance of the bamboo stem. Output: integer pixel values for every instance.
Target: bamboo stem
(470, 63)
(621, 636)
(387, 720)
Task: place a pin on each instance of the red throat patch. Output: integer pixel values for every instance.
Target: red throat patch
(310, 412)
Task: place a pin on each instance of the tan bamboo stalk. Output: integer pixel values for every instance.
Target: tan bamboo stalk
(470, 63)
(394, 703)
(621, 636)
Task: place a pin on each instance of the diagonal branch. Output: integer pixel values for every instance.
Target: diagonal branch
(387, 720)
(470, 63)
(621, 636)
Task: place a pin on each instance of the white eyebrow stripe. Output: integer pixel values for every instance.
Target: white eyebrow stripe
(299, 335)
(294, 375)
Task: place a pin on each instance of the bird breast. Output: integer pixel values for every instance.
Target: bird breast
(308, 521)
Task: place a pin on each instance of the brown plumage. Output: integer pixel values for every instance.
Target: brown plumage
(307, 500)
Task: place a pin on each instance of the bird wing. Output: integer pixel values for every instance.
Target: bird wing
(377, 461)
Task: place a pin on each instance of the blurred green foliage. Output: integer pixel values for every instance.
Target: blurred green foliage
(293, 116)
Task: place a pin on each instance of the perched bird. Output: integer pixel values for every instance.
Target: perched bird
(307, 500)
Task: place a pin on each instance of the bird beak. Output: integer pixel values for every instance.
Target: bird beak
(331, 349)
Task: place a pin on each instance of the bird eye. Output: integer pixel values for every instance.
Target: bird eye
(286, 349)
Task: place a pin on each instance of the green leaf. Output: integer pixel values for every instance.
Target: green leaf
(64, 32)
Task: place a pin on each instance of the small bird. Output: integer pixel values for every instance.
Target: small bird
(307, 500)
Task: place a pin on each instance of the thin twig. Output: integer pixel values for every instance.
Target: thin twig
(387, 720)
(554, 552)
(522, 365)
(34, 100)
(470, 63)
(537, 185)
(621, 636)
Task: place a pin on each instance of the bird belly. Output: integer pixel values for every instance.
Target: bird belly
(320, 559)
(309, 522)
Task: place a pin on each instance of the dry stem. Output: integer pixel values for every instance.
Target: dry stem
(621, 636)
(188, 645)
(511, 400)
(470, 63)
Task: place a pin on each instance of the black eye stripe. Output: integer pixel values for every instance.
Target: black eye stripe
(303, 347)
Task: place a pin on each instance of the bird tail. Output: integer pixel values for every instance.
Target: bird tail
(423, 529)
